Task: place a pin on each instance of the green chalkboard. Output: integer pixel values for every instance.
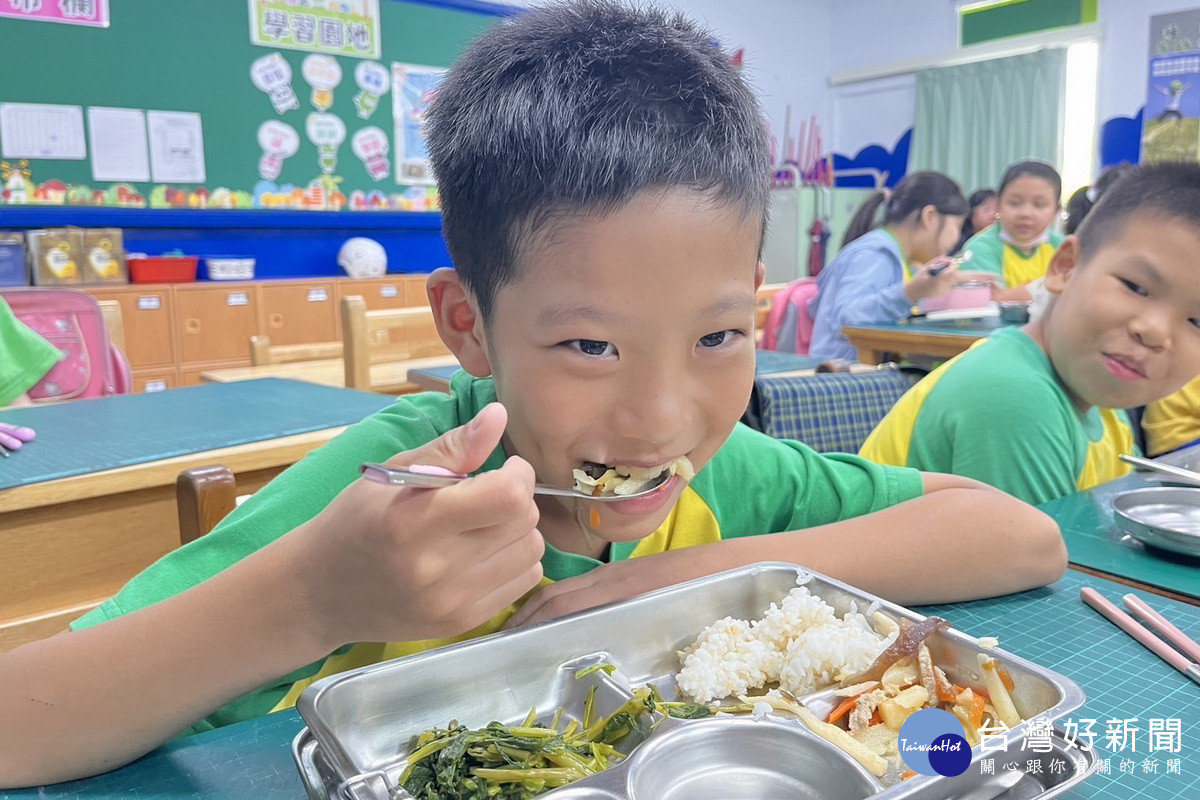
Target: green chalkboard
(195, 56)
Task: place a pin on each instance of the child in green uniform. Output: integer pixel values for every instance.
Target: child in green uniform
(1029, 410)
(604, 179)
(1019, 247)
(24, 358)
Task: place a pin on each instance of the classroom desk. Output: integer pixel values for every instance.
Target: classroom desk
(1050, 626)
(1096, 544)
(389, 377)
(917, 337)
(433, 379)
(766, 362)
(91, 502)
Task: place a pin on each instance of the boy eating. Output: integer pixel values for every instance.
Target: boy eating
(603, 174)
(1031, 410)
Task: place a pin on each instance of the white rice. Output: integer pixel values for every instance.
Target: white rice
(801, 643)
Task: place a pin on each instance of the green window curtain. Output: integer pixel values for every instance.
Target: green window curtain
(973, 120)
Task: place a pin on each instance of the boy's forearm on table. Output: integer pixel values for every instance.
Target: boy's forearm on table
(85, 702)
(951, 544)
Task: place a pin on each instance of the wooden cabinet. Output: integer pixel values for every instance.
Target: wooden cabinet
(155, 380)
(391, 291)
(299, 313)
(175, 332)
(423, 338)
(214, 322)
(146, 317)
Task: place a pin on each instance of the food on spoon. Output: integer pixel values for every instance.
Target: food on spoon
(602, 480)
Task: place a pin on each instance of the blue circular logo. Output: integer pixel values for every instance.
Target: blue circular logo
(933, 742)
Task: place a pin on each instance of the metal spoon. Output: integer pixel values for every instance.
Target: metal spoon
(436, 477)
(1176, 472)
(957, 262)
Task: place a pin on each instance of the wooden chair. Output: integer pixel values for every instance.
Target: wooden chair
(203, 497)
(262, 352)
(375, 337)
(113, 320)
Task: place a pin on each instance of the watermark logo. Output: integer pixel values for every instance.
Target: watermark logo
(933, 742)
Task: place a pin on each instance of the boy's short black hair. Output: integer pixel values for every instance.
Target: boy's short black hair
(574, 108)
(1169, 189)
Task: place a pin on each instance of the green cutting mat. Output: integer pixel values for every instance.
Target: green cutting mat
(1053, 628)
(91, 435)
(1094, 540)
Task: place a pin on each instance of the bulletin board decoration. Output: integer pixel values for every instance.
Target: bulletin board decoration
(335, 27)
(414, 86)
(254, 103)
(69, 12)
(1171, 120)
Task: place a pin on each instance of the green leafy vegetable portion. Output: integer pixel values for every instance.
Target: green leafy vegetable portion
(502, 762)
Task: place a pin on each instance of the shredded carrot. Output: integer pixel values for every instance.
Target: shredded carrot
(876, 717)
(908, 773)
(594, 517)
(842, 708)
(977, 705)
(1005, 678)
(947, 696)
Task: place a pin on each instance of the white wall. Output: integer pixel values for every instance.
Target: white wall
(788, 50)
(882, 31)
(792, 46)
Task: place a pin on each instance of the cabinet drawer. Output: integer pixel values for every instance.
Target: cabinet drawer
(151, 380)
(299, 313)
(146, 318)
(376, 293)
(215, 323)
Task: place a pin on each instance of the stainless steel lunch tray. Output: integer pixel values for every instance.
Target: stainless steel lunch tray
(359, 722)
(1167, 517)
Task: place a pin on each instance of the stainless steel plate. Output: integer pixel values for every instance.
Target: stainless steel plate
(1167, 517)
(1042, 776)
(361, 721)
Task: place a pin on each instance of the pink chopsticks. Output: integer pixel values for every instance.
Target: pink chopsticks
(1187, 664)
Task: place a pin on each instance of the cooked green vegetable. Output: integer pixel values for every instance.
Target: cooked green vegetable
(607, 669)
(501, 762)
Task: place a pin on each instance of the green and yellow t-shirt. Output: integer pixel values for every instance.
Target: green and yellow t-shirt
(990, 253)
(1173, 421)
(798, 489)
(998, 413)
(24, 356)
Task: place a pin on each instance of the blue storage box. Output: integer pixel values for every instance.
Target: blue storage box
(12, 264)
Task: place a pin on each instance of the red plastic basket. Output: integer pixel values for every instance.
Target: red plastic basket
(163, 269)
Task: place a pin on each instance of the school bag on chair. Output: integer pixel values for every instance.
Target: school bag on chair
(71, 321)
(789, 326)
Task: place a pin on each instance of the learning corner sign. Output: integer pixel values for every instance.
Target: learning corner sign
(1171, 127)
(334, 27)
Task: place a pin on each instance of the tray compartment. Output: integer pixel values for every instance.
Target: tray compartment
(744, 759)
(363, 720)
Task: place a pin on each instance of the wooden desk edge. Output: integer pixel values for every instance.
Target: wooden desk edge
(1134, 584)
(267, 453)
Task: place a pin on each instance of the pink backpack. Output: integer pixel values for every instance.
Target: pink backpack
(71, 321)
(789, 325)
